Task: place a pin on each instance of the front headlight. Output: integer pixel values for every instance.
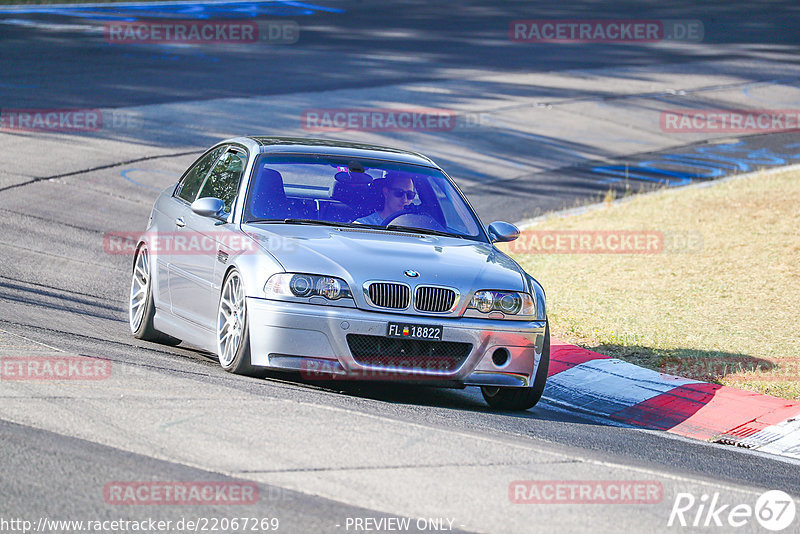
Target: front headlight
(512, 304)
(302, 286)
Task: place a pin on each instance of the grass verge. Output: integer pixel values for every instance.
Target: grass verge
(718, 302)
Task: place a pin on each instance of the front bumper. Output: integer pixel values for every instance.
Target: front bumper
(310, 338)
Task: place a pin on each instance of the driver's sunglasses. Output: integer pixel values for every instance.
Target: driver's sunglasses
(410, 195)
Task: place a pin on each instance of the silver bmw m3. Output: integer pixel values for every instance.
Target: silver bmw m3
(339, 261)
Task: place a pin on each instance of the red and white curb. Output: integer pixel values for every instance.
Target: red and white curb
(593, 383)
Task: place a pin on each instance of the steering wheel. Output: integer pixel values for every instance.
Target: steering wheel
(418, 216)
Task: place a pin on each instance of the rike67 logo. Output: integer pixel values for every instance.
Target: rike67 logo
(774, 510)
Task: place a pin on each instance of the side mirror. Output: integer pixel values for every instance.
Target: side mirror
(500, 232)
(209, 207)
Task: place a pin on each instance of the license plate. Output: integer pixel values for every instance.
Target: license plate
(427, 332)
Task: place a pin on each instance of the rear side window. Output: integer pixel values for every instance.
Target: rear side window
(223, 181)
(194, 178)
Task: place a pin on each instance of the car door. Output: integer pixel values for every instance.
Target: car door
(193, 290)
(173, 212)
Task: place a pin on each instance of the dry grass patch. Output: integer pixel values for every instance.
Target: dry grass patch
(719, 303)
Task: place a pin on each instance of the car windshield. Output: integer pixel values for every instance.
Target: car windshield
(305, 189)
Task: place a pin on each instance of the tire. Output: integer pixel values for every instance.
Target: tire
(506, 398)
(233, 334)
(141, 307)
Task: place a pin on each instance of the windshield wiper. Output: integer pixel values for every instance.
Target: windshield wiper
(400, 227)
(298, 221)
(314, 222)
(422, 230)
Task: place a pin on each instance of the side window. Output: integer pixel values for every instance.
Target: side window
(223, 180)
(194, 178)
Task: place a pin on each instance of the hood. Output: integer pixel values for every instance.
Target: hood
(358, 256)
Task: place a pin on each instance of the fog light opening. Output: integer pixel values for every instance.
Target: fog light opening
(500, 357)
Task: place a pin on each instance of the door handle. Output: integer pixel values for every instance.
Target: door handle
(179, 222)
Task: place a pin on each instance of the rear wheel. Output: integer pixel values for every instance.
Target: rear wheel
(142, 308)
(505, 398)
(233, 338)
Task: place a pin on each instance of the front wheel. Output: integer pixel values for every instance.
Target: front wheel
(505, 398)
(233, 338)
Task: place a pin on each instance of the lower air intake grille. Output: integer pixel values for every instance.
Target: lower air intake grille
(378, 351)
(389, 295)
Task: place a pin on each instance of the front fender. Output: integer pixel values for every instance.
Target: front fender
(255, 264)
(537, 291)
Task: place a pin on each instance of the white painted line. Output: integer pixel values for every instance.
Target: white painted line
(31, 341)
(783, 438)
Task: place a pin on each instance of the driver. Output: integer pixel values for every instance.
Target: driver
(397, 194)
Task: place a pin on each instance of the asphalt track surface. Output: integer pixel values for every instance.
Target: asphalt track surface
(323, 453)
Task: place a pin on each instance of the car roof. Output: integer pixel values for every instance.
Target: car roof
(336, 147)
